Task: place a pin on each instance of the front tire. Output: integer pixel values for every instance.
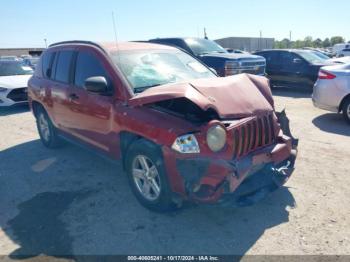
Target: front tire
(147, 176)
(346, 110)
(47, 131)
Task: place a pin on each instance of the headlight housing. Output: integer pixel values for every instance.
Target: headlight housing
(3, 89)
(216, 138)
(232, 67)
(186, 144)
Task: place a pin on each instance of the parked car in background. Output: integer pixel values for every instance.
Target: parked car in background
(332, 90)
(236, 51)
(13, 82)
(9, 58)
(340, 60)
(337, 48)
(182, 132)
(322, 51)
(25, 56)
(293, 67)
(31, 62)
(216, 57)
(344, 52)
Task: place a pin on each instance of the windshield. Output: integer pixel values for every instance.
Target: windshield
(145, 69)
(14, 68)
(311, 57)
(203, 46)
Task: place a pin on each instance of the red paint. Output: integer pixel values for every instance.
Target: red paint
(98, 120)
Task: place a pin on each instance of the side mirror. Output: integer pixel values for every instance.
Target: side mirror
(297, 61)
(96, 84)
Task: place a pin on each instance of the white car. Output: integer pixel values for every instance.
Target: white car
(344, 52)
(332, 89)
(14, 78)
(338, 47)
(340, 60)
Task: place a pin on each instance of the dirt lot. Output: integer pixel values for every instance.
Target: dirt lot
(70, 201)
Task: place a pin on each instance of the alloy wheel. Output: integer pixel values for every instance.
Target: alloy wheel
(44, 127)
(146, 177)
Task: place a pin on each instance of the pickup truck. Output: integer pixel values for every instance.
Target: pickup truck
(216, 57)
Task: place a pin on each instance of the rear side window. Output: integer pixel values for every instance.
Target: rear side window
(64, 59)
(272, 58)
(46, 63)
(88, 65)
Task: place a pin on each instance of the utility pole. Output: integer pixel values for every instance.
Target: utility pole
(45, 40)
(290, 38)
(260, 40)
(205, 34)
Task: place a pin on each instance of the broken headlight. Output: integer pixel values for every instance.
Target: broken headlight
(216, 138)
(186, 144)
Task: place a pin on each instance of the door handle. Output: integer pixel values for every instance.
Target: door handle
(73, 96)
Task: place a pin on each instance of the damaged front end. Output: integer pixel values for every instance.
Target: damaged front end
(256, 163)
(252, 152)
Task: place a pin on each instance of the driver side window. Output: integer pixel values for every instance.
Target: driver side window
(88, 65)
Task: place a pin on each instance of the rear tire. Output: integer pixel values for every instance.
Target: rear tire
(47, 131)
(147, 176)
(346, 110)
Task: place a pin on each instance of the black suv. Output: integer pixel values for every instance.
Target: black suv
(216, 57)
(292, 66)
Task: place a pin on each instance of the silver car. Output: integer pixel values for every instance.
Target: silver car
(332, 89)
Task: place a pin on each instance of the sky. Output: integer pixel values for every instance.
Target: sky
(26, 23)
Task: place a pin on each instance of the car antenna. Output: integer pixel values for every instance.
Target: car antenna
(116, 38)
(115, 31)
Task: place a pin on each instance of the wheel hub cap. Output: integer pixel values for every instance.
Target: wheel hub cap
(146, 177)
(44, 127)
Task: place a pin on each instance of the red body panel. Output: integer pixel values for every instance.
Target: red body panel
(99, 120)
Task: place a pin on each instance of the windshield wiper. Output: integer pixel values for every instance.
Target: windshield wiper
(143, 88)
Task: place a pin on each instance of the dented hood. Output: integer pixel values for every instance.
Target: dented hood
(231, 97)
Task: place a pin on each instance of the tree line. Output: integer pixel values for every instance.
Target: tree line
(309, 42)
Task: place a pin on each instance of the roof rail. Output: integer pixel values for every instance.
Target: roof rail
(78, 42)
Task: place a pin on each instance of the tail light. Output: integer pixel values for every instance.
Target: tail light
(322, 74)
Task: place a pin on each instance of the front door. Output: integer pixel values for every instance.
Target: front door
(293, 68)
(91, 113)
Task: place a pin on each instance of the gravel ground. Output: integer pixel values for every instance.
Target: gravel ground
(70, 201)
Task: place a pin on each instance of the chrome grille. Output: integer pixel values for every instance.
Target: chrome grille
(251, 135)
(252, 63)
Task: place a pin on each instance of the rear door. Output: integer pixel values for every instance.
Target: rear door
(59, 74)
(90, 114)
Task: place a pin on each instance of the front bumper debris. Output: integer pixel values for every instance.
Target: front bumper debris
(232, 181)
(260, 184)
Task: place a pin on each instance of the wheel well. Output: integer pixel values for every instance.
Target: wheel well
(126, 140)
(36, 105)
(342, 102)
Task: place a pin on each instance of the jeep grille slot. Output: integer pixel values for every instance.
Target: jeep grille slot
(252, 135)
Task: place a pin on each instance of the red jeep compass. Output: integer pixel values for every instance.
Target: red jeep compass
(181, 132)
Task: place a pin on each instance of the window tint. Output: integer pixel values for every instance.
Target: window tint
(64, 59)
(46, 62)
(287, 57)
(87, 65)
(271, 57)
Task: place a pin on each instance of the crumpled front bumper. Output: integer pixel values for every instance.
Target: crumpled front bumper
(235, 182)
